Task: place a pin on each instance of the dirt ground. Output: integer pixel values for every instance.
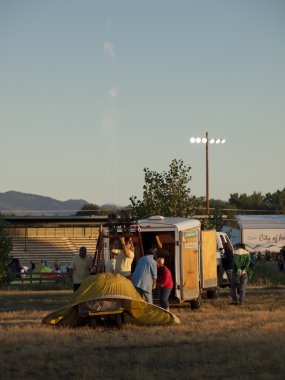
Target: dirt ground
(217, 340)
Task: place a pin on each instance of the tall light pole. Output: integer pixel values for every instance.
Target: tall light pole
(205, 140)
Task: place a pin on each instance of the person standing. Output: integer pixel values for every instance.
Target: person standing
(242, 271)
(228, 260)
(164, 283)
(80, 267)
(125, 258)
(145, 274)
(111, 264)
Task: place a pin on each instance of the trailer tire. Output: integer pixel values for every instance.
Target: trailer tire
(119, 320)
(196, 304)
(212, 294)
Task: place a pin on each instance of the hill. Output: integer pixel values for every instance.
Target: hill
(32, 204)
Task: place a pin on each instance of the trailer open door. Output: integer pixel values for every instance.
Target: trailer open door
(209, 259)
(189, 264)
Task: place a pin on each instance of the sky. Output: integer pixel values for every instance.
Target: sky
(92, 92)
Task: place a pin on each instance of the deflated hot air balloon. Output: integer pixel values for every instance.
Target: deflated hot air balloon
(107, 296)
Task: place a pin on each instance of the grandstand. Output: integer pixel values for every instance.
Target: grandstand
(55, 240)
(51, 249)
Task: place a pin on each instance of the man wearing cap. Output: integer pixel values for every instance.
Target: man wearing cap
(80, 267)
(145, 274)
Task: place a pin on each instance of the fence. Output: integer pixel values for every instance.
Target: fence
(35, 278)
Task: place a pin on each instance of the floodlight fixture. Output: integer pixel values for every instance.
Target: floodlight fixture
(205, 140)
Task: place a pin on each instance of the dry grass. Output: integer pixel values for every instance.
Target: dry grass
(215, 341)
(266, 273)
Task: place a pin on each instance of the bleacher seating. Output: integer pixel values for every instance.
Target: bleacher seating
(41, 249)
(51, 247)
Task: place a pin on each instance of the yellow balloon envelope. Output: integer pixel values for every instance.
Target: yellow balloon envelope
(107, 293)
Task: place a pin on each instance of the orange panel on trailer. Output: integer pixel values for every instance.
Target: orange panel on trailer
(190, 263)
(209, 259)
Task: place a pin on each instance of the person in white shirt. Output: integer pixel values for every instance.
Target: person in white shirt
(125, 258)
(80, 267)
(111, 264)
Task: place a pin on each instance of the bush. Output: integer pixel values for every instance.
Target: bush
(266, 273)
(5, 249)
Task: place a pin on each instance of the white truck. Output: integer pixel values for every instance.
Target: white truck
(189, 253)
(222, 239)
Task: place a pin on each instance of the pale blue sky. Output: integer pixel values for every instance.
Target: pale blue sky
(92, 92)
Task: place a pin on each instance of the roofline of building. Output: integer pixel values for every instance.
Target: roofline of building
(55, 220)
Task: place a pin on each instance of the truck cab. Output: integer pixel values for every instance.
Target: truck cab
(222, 239)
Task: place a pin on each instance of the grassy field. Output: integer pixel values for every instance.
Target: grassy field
(217, 341)
(266, 273)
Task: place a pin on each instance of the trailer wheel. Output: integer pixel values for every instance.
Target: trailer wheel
(93, 322)
(119, 320)
(212, 294)
(196, 304)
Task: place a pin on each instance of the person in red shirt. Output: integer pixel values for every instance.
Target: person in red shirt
(164, 283)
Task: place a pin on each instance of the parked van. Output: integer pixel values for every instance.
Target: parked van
(189, 252)
(222, 239)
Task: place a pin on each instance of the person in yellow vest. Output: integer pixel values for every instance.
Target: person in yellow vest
(80, 267)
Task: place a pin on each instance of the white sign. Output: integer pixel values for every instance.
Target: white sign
(262, 239)
(193, 245)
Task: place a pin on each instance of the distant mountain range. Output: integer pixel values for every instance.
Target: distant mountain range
(14, 202)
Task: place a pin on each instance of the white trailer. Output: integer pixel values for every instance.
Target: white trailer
(189, 253)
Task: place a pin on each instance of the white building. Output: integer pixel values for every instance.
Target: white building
(259, 232)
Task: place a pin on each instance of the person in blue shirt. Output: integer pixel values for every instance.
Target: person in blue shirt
(145, 274)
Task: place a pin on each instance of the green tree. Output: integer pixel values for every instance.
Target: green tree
(165, 193)
(5, 249)
(217, 203)
(88, 209)
(214, 221)
(256, 202)
(276, 200)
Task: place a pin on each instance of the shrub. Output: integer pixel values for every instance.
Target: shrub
(5, 249)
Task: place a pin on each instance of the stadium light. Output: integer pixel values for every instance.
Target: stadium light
(206, 140)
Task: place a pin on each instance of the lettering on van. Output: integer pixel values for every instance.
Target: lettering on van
(276, 239)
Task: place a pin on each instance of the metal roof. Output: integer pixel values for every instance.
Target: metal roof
(55, 220)
(174, 222)
(261, 221)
